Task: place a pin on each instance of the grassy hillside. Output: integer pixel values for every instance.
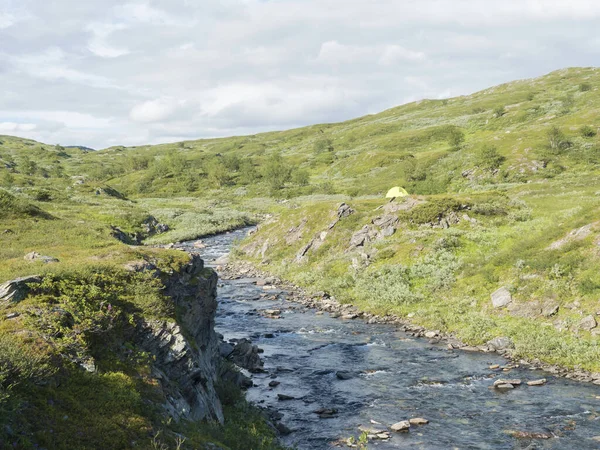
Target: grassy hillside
(504, 193)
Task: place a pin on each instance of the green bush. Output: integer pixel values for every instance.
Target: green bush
(488, 158)
(432, 211)
(587, 132)
(584, 87)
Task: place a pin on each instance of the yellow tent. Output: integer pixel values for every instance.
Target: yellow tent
(396, 192)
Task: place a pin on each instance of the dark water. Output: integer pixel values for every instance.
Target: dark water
(396, 377)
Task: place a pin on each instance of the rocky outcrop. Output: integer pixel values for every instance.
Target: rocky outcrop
(14, 291)
(500, 298)
(186, 353)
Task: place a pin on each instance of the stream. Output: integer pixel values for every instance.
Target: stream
(392, 377)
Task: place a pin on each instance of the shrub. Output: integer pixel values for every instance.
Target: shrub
(587, 131)
(489, 158)
(276, 172)
(584, 87)
(499, 111)
(557, 140)
(456, 138)
(322, 145)
(433, 210)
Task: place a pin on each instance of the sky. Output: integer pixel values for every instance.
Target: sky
(100, 73)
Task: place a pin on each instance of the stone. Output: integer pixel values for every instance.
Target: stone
(512, 382)
(401, 427)
(274, 383)
(588, 323)
(225, 349)
(36, 257)
(418, 421)
(283, 429)
(247, 356)
(272, 312)
(343, 375)
(139, 266)
(14, 291)
(539, 382)
(431, 334)
(284, 397)
(494, 366)
(550, 309)
(502, 297)
(501, 343)
(504, 386)
(222, 260)
(12, 315)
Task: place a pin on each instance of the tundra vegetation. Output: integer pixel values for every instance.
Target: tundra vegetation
(504, 193)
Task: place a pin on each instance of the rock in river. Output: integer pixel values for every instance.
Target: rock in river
(401, 427)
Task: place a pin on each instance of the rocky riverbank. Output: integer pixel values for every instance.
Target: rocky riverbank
(323, 302)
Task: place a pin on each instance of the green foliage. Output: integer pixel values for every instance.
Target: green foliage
(499, 111)
(557, 141)
(456, 138)
(323, 145)
(432, 211)
(585, 87)
(276, 172)
(587, 132)
(489, 158)
(13, 207)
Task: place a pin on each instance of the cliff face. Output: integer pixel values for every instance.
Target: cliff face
(187, 352)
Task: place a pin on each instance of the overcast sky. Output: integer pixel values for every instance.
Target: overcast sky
(107, 72)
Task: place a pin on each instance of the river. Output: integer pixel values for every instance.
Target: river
(393, 377)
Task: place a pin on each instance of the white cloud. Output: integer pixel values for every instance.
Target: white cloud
(393, 54)
(99, 45)
(153, 110)
(144, 71)
(11, 127)
(6, 20)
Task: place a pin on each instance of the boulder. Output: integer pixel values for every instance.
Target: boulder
(343, 375)
(139, 266)
(36, 257)
(401, 427)
(418, 421)
(246, 355)
(502, 297)
(550, 308)
(501, 343)
(539, 382)
(588, 323)
(14, 291)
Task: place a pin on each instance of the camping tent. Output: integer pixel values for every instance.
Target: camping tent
(396, 192)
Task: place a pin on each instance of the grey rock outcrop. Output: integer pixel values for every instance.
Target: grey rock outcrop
(588, 323)
(186, 354)
(246, 355)
(14, 291)
(501, 298)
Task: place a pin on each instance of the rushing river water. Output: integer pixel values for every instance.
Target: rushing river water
(394, 377)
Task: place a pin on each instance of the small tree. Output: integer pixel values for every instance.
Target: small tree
(489, 158)
(557, 140)
(300, 177)
(499, 111)
(455, 138)
(322, 145)
(276, 172)
(584, 87)
(218, 174)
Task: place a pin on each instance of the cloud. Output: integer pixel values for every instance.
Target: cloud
(143, 71)
(11, 127)
(6, 20)
(153, 110)
(393, 54)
